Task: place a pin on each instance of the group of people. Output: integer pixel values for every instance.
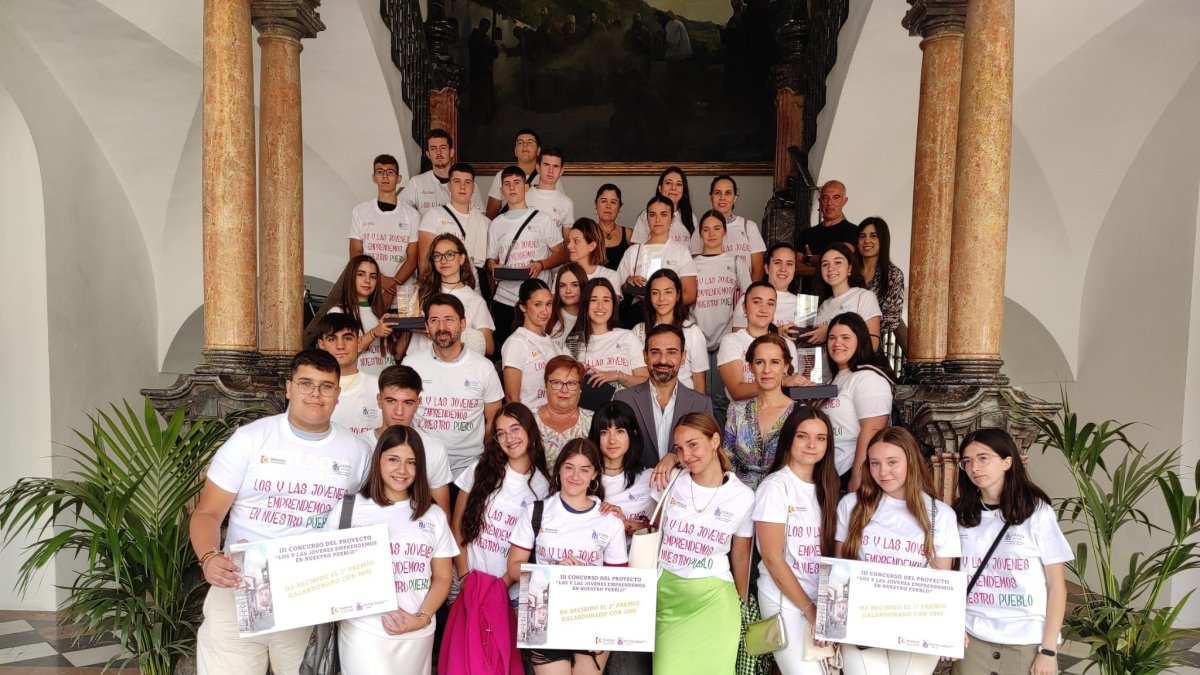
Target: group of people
(508, 359)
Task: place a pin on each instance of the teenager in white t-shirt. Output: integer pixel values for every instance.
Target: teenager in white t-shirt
(575, 529)
(460, 216)
(449, 270)
(721, 280)
(275, 477)
(611, 355)
(386, 230)
(358, 294)
(658, 252)
(673, 186)
(842, 290)
(881, 523)
(564, 312)
(585, 247)
(664, 304)
(396, 493)
(461, 391)
(357, 409)
(731, 355)
(863, 405)
(780, 272)
(526, 148)
(429, 190)
(743, 239)
(1016, 608)
(626, 482)
(547, 196)
(704, 560)
(528, 349)
(510, 475)
(795, 518)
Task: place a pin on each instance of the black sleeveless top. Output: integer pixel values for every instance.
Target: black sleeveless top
(615, 253)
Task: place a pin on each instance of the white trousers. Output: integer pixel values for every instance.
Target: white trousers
(885, 662)
(219, 650)
(365, 653)
(790, 659)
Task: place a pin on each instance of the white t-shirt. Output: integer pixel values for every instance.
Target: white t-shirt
(553, 202)
(528, 352)
(358, 405)
(742, 239)
(720, 282)
(414, 545)
(696, 544)
(695, 351)
(636, 500)
(785, 310)
(678, 233)
(385, 236)
(535, 242)
(478, 315)
(783, 498)
(861, 394)
(489, 552)
(733, 348)
(589, 536)
(437, 464)
(563, 328)
(471, 228)
(642, 260)
(453, 394)
(893, 537)
(1008, 603)
(285, 485)
(617, 350)
(858, 300)
(602, 272)
(371, 361)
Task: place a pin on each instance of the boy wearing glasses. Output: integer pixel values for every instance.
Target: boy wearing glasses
(357, 404)
(386, 230)
(278, 476)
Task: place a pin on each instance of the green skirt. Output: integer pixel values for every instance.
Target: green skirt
(697, 628)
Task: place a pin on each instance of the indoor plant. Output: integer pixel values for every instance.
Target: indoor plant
(124, 510)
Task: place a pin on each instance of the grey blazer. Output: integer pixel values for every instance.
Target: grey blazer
(639, 398)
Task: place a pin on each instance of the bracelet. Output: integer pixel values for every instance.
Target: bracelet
(428, 617)
(209, 556)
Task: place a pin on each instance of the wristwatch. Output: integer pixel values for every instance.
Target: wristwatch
(1047, 652)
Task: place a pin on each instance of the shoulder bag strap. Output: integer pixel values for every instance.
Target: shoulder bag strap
(986, 557)
(457, 222)
(513, 243)
(538, 507)
(654, 518)
(347, 511)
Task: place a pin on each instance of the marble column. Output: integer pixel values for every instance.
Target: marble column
(940, 23)
(227, 180)
(980, 237)
(281, 24)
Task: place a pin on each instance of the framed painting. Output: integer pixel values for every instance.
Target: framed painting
(622, 86)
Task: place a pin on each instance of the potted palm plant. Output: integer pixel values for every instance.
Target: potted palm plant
(124, 511)
(1122, 613)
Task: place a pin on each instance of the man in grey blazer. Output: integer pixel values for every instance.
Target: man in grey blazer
(660, 401)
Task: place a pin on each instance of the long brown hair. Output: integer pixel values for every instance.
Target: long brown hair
(825, 475)
(589, 451)
(420, 494)
(556, 307)
(917, 484)
(344, 296)
(490, 471)
(431, 282)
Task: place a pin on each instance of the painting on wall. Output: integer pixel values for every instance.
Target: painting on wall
(619, 84)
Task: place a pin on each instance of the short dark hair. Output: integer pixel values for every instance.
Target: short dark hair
(419, 492)
(665, 328)
(315, 358)
(461, 167)
(528, 132)
(387, 160)
(512, 170)
(553, 151)
(447, 300)
(439, 133)
(400, 377)
(335, 322)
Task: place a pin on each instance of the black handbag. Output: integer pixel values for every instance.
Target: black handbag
(321, 655)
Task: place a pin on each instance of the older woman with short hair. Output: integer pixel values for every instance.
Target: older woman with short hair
(561, 418)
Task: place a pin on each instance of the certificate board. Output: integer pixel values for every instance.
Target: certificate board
(315, 578)
(592, 608)
(911, 609)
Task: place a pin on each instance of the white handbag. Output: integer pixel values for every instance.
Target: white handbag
(643, 549)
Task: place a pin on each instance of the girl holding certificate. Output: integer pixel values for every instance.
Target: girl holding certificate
(397, 493)
(509, 475)
(704, 560)
(795, 517)
(1015, 609)
(574, 530)
(894, 519)
(664, 304)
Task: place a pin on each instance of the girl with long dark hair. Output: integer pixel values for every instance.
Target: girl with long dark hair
(527, 350)
(357, 292)
(610, 354)
(673, 186)
(568, 290)
(882, 278)
(664, 304)
(841, 289)
(616, 433)
(448, 269)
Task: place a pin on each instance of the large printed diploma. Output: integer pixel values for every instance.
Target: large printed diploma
(587, 608)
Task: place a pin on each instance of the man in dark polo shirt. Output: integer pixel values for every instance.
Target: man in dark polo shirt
(833, 228)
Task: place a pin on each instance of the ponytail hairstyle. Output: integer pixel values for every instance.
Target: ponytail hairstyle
(1019, 496)
(580, 446)
(707, 425)
(761, 283)
(685, 201)
(825, 475)
(556, 308)
(492, 466)
(794, 284)
(528, 288)
(917, 486)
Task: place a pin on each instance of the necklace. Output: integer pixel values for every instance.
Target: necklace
(692, 490)
(989, 507)
(451, 285)
(613, 472)
(608, 234)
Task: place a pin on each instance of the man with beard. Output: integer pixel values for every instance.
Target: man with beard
(429, 190)
(659, 402)
(461, 391)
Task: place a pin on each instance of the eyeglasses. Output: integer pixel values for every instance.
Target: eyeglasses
(502, 436)
(448, 255)
(565, 385)
(390, 173)
(306, 387)
(981, 461)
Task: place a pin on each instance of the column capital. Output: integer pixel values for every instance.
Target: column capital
(297, 18)
(928, 18)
